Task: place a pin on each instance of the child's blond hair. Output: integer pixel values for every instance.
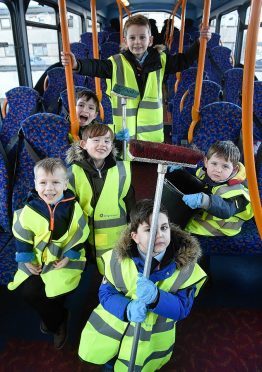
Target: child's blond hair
(138, 20)
(50, 165)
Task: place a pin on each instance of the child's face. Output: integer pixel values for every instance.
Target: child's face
(50, 187)
(86, 111)
(218, 169)
(141, 237)
(98, 147)
(138, 39)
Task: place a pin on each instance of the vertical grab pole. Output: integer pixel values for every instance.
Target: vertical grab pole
(200, 71)
(161, 171)
(96, 54)
(181, 38)
(247, 109)
(74, 127)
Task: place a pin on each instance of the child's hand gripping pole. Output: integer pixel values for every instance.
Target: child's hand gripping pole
(124, 94)
(164, 155)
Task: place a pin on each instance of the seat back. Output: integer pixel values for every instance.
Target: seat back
(219, 121)
(218, 62)
(211, 92)
(44, 135)
(56, 84)
(257, 110)
(108, 49)
(114, 36)
(214, 40)
(80, 50)
(5, 207)
(232, 85)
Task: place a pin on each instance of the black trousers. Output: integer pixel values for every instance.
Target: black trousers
(51, 310)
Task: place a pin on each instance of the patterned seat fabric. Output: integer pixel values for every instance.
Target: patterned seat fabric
(187, 78)
(214, 40)
(80, 50)
(219, 121)
(8, 266)
(247, 242)
(22, 102)
(257, 129)
(175, 42)
(114, 36)
(232, 85)
(48, 136)
(108, 49)
(218, 63)
(56, 84)
(210, 93)
(259, 170)
(5, 207)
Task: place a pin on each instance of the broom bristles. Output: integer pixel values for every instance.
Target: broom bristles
(163, 153)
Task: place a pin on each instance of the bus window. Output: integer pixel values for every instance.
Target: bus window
(258, 67)
(89, 26)
(228, 29)
(213, 25)
(160, 18)
(8, 68)
(42, 40)
(74, 27)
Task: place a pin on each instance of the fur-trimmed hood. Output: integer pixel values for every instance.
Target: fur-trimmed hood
(184, 249)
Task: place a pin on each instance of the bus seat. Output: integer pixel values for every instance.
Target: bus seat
(56, 84)
(21, 103)
(5, 215)
(114, 36)
(232, 85)
(259, 170)
(87, 38)
(219, 121)
(214, 40)
(257, 113)
(218, 62)
(80, 50)
(108, 49)
(8, 265)
(211, 92)
(175, 43)
(43, 135)
(247, 242)
(106, 103)
(188, 76)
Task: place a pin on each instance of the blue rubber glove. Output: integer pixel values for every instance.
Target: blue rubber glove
(193, 200)
(123, 135)
(173, 168)
(136, 311)
(146, 290)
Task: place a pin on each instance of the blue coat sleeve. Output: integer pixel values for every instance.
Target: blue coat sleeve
(175, 306)
(113, 301)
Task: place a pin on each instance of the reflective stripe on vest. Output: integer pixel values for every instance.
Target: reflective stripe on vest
(203, 223)
(57, 281)
(106, 336)
(142, 123)
(109, 216)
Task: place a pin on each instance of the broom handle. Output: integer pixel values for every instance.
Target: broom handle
(123, 103)
(161, 170)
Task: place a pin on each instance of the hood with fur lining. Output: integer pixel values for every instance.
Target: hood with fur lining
(185, 249)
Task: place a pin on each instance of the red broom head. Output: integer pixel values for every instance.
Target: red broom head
(163, 153)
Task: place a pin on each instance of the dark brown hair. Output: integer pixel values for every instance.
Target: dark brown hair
(142, 211)
(88, 94)
(225, 149)
(97, 130)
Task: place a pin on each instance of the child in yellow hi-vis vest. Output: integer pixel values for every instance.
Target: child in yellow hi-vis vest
(141, 67)
(50, 232)
(127, 297)
(102, 184)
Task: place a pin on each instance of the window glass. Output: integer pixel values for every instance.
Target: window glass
(74, 27)
(40, 13)
(42, 54)
(89, 26)
(8, 66)
(228, 29)
(213, 25)
(247, 15)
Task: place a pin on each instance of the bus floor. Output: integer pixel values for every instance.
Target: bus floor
(223, 331)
